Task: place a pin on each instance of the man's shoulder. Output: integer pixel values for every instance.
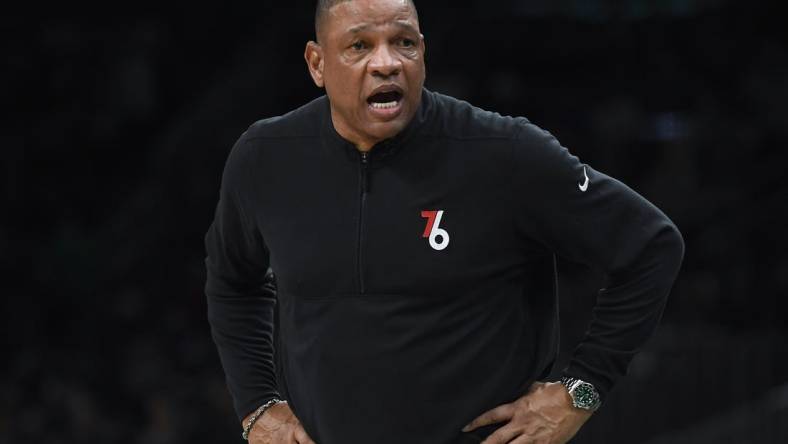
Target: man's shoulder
(299, 123)
(459, 119)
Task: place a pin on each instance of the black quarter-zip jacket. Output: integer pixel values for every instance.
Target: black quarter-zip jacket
(416, 283)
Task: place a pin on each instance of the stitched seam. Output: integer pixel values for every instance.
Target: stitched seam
(513, 202)
(249, 223)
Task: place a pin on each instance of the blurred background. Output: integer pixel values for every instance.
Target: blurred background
(117, 122)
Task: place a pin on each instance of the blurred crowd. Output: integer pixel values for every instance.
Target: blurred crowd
(118, 127)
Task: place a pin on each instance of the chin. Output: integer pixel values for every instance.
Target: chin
(386, 130)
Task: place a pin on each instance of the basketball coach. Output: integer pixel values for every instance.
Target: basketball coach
(407, 242)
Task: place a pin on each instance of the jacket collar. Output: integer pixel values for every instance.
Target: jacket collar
(385, 149)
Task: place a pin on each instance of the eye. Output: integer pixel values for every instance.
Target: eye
(358, 45)
(408, 43)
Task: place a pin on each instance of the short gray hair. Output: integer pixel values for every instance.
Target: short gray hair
(324, 5)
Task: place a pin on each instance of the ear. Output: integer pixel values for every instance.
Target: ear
(313, 54)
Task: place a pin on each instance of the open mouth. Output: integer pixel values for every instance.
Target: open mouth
(385, 100)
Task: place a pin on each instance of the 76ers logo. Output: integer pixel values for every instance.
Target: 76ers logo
(433, 231)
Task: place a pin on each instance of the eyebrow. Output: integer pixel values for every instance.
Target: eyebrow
(361, 28)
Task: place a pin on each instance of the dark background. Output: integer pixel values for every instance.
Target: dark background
(117, 123)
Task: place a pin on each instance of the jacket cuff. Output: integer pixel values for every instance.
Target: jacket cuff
(603, 384)
(249, 407)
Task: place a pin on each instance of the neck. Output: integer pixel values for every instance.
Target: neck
(362, 143)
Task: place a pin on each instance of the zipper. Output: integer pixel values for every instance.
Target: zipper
(362, 200)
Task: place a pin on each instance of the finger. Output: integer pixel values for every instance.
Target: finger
(302, 437)
(523, 439)
(540, 436)
(498, 414)
(503, 435)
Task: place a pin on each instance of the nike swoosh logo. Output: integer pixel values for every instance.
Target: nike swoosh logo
(584, 186)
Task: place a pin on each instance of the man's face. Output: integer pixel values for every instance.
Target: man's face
(370, 59)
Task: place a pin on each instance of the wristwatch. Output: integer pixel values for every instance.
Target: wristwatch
(584, 394)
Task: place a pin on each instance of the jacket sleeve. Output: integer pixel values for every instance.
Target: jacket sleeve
(603, 223)
(240, 290)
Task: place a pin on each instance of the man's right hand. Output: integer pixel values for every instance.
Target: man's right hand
(278, 425)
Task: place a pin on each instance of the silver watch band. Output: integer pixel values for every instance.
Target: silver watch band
(588, 399)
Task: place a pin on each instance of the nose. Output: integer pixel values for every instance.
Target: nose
(384, 62)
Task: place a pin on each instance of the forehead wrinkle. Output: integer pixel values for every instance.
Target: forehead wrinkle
(405, 13)
(399, 23)
(358, 28)
(407, 25)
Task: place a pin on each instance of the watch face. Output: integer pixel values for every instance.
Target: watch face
(585, 396)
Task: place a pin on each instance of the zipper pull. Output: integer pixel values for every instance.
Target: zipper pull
(364, 180)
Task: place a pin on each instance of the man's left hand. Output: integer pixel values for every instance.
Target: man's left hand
(544, 415)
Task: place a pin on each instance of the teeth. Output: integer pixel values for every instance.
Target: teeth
(384, 105)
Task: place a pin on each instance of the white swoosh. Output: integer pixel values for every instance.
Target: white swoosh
(584, 186)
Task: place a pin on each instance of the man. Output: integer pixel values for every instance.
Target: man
(409, 240)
